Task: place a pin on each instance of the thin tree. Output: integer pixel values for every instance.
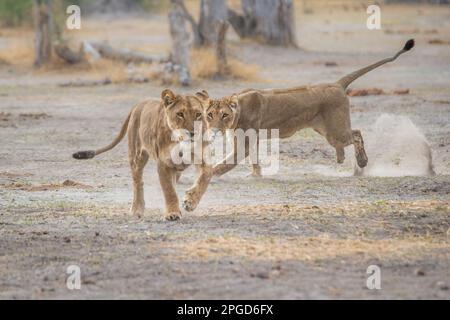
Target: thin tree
(43, 25)
(180, 43)
(270, 21)
(206, 30)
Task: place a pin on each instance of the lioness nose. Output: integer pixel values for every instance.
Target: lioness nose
(191, 134)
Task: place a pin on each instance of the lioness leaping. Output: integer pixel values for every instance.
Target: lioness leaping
(323, 107)
(150, 126)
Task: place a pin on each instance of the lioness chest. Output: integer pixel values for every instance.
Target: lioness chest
(149, 133)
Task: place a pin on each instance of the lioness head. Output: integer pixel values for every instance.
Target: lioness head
(182, 111)
(220, 114)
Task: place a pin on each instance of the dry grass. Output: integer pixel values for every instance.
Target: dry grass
(21, 55)
(46, 187)
(364, 222)
(116, 71)
(3, 61)
(204, 66)
(20, 52)
(304, 249)
(347, 209)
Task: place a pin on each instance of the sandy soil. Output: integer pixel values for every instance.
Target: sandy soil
(308, 232)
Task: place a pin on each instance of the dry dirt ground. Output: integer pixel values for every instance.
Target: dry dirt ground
(308, 232)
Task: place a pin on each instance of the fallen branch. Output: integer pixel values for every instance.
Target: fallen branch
(92, 51)
(86, 83)
(103, 82)
(108, 52)
(68, 55)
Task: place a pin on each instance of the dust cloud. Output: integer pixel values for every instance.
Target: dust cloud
(395, 147)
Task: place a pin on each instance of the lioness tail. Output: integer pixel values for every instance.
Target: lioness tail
(83, 155)
(345, 81)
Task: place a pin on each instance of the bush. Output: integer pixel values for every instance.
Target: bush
(15, 12)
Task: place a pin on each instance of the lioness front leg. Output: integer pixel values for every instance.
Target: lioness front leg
(195, 193)
(166, 179)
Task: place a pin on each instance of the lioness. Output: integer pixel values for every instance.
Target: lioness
(150, 127)
(323, 107)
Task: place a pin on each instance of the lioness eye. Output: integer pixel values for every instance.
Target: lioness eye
(198, 115)
(210, 115)
(180, 115)
(224, 115)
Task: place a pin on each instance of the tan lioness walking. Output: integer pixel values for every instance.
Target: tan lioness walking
(150, 126)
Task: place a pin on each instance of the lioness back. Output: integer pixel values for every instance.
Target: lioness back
(148, 126)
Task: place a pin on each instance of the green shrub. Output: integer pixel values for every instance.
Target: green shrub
(19, 12)
(15, 12)
(153, 5)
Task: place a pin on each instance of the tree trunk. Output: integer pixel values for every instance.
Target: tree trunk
(272, 21)
(212, 14)
(180, 43)
(43, 22)
(222, 62)
(198, 39)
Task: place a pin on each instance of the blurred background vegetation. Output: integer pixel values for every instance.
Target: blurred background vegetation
(142, 27)
(15, 13)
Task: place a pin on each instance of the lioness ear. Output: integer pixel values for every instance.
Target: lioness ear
(234, 101)
(168, 97)
(203, 96)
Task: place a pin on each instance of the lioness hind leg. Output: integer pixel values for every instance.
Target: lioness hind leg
(358, 143)
(254, 159)
(320, 128)
(337, 127)
(137, 164)
(360, 152)
(232, 160)
(340, 154)
(339, 143)
(256, 171)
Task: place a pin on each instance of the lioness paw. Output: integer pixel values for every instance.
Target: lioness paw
(362, 160)
(173, 216)
(188, 205)
(138, 212)
(254, 175)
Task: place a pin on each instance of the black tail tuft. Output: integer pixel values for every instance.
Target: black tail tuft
(409, 45)
(83, 155)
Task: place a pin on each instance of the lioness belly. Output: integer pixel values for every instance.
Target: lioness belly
(290, 112)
